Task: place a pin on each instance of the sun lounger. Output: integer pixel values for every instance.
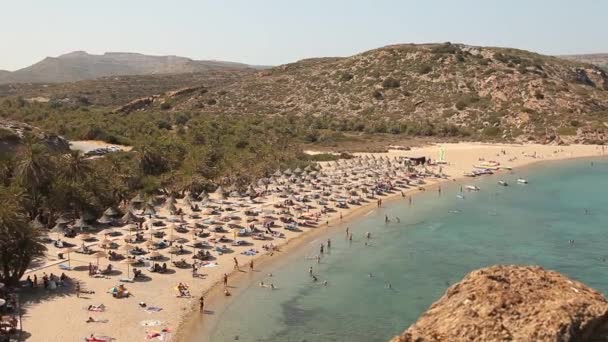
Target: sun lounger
(65, 267)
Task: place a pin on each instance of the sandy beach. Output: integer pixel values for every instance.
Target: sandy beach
(61, 315)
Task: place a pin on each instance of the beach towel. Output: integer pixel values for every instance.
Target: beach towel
(212, 264)
(150, 323)
(153, 309)
(65, 267)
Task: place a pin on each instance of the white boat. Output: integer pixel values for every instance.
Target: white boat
(503, 183)
(522, 181)
(460, 196)
(472, 188)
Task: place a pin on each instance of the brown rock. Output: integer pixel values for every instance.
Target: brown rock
(526, 304)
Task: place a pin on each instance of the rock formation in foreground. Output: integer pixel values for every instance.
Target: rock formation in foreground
(514, 303)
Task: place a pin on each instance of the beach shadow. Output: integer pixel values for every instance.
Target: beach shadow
(143, 279)
(80, 268)
(169, 271)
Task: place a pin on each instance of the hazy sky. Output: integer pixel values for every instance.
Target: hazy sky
(281, 31)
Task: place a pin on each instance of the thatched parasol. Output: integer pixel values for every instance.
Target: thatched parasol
(100, 254)
(129, 262)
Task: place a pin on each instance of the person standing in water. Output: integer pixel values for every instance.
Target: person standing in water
(347, 232)
(310, 271)
(410, 200)
(321, 249)
(328, 243)
(350, 237)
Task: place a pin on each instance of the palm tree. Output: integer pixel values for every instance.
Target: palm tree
(20, 243)
(75, 167)
(32, 167)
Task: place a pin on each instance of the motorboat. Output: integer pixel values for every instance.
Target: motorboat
(522, 181)
(472, 188)
(503, 183)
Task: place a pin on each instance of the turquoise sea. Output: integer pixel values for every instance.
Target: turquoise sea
(440, 239)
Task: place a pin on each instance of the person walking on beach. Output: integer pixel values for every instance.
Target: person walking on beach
(202, 304)
(77, 289)
(225, 280)
(194, 270)
(236, 263)
(251, 265)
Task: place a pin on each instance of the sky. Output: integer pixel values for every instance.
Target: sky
(272, 32)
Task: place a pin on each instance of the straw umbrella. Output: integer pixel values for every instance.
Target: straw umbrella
(128, 262)
(126, 247)
(59, 228)
(155, 255)
(100, 254)
(85, 237)
(68, 251)
(173, 250)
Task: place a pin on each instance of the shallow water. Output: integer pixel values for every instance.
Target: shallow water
(439, 240)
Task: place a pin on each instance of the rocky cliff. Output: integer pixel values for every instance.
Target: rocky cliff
(514, 303)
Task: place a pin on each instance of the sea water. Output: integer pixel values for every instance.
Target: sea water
(440, 238)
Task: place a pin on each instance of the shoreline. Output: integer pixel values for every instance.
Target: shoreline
(181, 315)
(214, 296)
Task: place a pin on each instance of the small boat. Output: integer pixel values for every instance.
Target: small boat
(503, 183)
(522, 181)
(460, 196)
(472, 188)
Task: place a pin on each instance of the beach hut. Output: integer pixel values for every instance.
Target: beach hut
(105, 219)
(129, 217)
(171, 207)
(80, 224)
(278, 173)
(63, 219)
(149, 210)
(112, 212)
(58, 229)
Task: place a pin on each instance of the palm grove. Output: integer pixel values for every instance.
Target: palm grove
(170, 154)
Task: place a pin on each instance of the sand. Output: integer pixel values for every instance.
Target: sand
(60, 316)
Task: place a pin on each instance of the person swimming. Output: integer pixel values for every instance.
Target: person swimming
(370, 275)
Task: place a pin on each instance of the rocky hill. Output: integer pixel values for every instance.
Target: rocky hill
(118, 90)
(513, 303)
(599, 59)
(501, 92)
(13, 133)
(79, 65)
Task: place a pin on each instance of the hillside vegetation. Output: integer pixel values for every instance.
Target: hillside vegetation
(493, 92)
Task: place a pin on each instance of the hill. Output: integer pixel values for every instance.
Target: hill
(499, 92)
(599, 59)
(79, 65)
(513, 303)
(118, 90)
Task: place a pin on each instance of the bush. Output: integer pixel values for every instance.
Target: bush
(165, 106)
(390, 82)
(163, 124)
(491, 132)
(424, 69)
(8, 136)
(377, 95)
(345, 77)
